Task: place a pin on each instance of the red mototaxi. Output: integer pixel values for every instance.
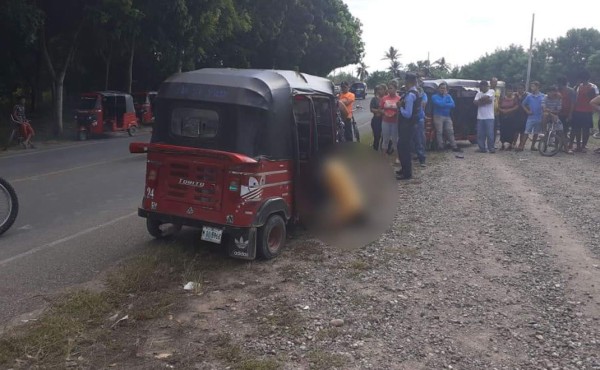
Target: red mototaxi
(228, 152)
(105, 111)
(143, 104)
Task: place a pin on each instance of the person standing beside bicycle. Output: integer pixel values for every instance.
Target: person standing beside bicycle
(25, 128)
(347, 98)
(552, 105)
(533, 107)
(568, 96)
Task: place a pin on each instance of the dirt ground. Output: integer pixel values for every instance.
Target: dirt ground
(492, 262)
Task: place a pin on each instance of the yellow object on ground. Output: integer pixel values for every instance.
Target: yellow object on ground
(348, 202)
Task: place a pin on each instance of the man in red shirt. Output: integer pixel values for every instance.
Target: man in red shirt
(568, 102)
(583, 112)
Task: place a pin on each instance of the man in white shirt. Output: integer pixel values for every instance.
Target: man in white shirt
(484, 100)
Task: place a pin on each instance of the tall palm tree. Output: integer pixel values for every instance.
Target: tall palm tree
(442, 65)
(392, 54)
(361, 71)
(394, 68)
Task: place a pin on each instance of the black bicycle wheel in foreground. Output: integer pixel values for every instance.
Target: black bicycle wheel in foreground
(9, 206)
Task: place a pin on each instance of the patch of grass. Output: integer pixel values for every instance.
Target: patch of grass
(258, 364)
(359, 265)
(78, 320)
(148, 272)
(231, 353)
(51, 339)
(322, 360)
(328, 334)
(152, 305)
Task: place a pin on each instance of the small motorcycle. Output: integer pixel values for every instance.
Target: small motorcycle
(9, 206)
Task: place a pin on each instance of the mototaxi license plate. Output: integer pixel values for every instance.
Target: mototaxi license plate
(211, 234)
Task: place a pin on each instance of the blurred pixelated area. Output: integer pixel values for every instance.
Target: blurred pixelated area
(354, 199)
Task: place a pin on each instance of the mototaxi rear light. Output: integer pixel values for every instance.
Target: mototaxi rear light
(152, 175)
(234, 186)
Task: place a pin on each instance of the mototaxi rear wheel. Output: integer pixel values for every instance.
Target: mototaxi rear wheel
(132, 130)
(271, 237)
(160, 230)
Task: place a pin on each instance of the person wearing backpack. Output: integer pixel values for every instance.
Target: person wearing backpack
(408, 117)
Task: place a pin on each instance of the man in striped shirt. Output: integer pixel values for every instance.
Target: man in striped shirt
(552, 105)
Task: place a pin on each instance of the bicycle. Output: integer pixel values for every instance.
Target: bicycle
(355, 125)
(551, 142)
(9, 206)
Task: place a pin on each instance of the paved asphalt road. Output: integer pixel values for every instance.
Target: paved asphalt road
(77, 216)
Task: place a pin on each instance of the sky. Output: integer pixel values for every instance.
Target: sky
(462, 31)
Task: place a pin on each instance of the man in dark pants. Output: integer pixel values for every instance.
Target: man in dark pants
(408, 117)
(347, 98)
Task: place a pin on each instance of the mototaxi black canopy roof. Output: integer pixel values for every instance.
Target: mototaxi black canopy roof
(113, 96)
(250, 87)
(267, 91)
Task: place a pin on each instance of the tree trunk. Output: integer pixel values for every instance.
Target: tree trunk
(59, 78)
(107, 59)
(58, 103)
(179, 62)
(107, 73)
(130, 69)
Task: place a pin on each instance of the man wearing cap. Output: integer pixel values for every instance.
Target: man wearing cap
(408, 117)
(347, 98)
(484, 100)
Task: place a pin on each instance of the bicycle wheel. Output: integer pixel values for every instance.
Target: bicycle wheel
(550, 144)
(9, 205)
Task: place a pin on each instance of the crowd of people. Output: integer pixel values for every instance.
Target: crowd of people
(524, 115)
(513, 115)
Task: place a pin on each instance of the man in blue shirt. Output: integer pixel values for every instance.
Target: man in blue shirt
(442, 105)
(408, 117)
(533, 107)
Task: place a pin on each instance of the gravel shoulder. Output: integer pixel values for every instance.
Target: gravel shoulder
(492, 262)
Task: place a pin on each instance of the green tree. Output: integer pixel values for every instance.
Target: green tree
(59, 40)
(361, 71)
(508, 64)
(392, 54)
(338, 78)
(313, 36)
(379, 77)
(593, 65)
(21, 65)
(570, 53)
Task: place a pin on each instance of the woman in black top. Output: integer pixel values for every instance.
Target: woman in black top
(377, 113)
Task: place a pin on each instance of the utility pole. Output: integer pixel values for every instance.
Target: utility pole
(530, 53)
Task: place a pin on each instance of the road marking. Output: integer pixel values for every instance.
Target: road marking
(37, 177)
(63, 147)
(65, 239)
